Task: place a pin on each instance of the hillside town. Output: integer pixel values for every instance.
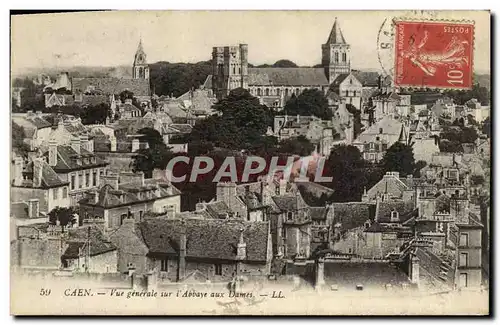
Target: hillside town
(408, 206)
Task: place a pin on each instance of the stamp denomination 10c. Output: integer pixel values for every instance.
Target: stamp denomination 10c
(432, 54)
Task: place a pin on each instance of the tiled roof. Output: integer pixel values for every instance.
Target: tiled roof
(129, 108)
(289, 202)
(336, 36)
(66, 159)
(318, 213)
(49, 176)
(132, 193)
(104, 145)
(367, 78)
(287, 77)
(433, 266)
(209, 238)
(218, 209)
(112, 86)
(340, 78)
(78, 239)
(352, 214)
(390, 128)
(198, 99)
(402, 207)
(371, 275)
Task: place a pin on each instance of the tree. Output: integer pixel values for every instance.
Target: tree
(284, 64)
(64, 216)
(450, 146)
(18, 136)
(399, 158)
(178, 78)
(296, 146)
(156, 156)
(242, 124)
(309, 102)
(345, 165)
(126, 94)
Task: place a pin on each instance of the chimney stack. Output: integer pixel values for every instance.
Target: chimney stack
(37, 172)
(18, 171)
(33, 208)
(112, 141)
(414, 269)
(52, 152)
(320, 272)
(241, 253)
(182, 251)
(76, 145)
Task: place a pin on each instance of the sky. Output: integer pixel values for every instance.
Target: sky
(111, 38)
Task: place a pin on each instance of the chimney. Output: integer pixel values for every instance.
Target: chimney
(33, 208)
(241, 253)
(60, 123)
(110, 179)
(18, 171)
(52, 153)
(414, 269)
(320, 272)
(298, 118)
(182, 251)
(84, 139)
(75, 145)
(135, 145)
(112, 141)
(282, 186)
(37, 172)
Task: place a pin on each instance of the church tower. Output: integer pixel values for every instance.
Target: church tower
(140, 70)
(336, 54)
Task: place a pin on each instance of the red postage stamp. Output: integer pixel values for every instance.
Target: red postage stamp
(434, 54)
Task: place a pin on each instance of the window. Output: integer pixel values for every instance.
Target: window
(336, 57)
(463, 261)
(140, 215)
(347, 93)
(381, 130)
(123, 217)
(289, 216)
(94, 178)
(394, 216)
(354, 93)
(377, 138)
(234, 69)
(283, 233)
(218, 269)
(87, 179)
(80, 180)
(464, 239)
(65, 192)
(344, 57)
(463, 280)
(55, 191)
(372, 145)
(164, 265)
(72, 182)
(259, 92)
(267, 91)
(278, 92)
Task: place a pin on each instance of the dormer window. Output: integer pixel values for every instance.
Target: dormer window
(394, 216)
(289, 216)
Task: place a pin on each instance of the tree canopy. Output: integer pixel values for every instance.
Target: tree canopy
(64, 216)
(399, 158)
(18, 136)
(241, 124)
(309, 102)
(178, 78)
(452, 137)
(156, 156)
(296, 146)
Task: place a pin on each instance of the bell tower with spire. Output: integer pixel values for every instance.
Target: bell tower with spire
(336, 54)
(140, 69)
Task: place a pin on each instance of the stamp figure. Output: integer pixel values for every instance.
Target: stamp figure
(434, 54)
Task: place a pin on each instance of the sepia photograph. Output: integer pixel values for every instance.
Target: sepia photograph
(250, 163)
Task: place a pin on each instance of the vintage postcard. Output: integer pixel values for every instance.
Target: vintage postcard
(250, 163)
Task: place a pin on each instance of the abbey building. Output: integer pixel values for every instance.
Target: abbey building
(67, 90)
(273, 86)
